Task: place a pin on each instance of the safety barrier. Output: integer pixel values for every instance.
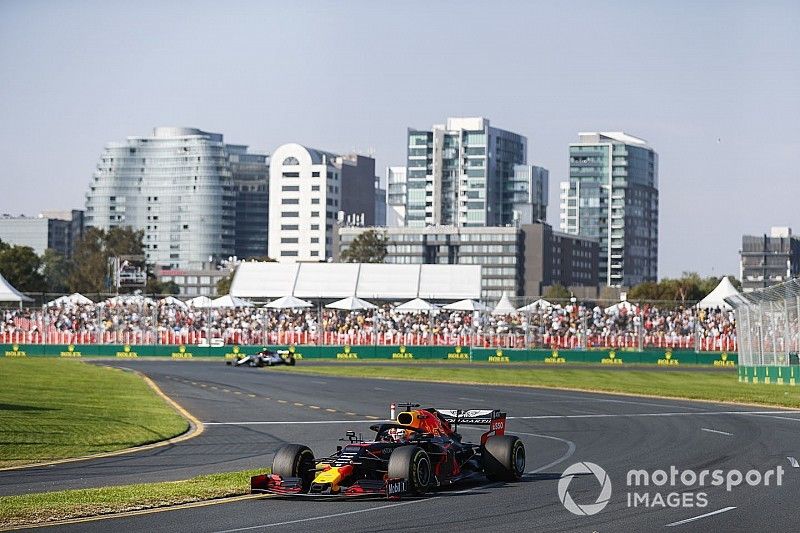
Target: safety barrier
(661, 358)
(770, 375)
(327, 338)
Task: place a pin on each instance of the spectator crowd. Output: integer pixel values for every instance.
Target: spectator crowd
(142, 320)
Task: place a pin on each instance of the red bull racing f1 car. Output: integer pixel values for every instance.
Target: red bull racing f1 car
(419, 451)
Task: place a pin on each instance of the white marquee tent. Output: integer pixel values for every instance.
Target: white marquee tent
(372, 281)
(229, 301)
(716, 298)
(9, 294)
(199, 302)
(541, 303)
(75, 298)
(504, 306)
(351, 303)
(466, 305)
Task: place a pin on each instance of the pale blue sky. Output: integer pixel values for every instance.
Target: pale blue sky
(355, 75)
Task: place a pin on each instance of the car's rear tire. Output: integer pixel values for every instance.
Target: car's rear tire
(413, 464)
(291, 361)
(503, 458)
(295, 460)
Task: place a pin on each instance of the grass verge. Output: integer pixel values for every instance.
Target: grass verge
(713, 386)
(62, 505)
(55, 409)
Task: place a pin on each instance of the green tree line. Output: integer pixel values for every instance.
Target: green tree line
(86, 271)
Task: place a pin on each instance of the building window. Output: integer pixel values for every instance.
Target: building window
(314, 227)
(314, 240)
(288, 240)
(290, 214)
(290, 161)
(314, 253)
(290, 188)
(290, 201)
(314, 213)
(289, 227)
(288, 253)
(291, 174)
(315, 187)
(315, 201)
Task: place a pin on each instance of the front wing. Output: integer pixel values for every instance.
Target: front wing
(293, 486)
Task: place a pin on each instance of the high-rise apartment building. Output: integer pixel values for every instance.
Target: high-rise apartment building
(178, 186)
(308, 189)
(458, 173)
(767, 260)
(612, 196)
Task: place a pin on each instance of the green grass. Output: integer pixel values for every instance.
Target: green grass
(55, 409)
(716, 386)
(61, 505)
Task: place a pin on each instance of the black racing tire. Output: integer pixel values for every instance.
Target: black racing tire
(503, 458)
(291, 361)
(295, 460)
(413, 464)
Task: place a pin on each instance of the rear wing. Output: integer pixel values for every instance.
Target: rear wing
(494, 418)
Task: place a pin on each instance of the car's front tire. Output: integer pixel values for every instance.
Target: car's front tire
(295, 460)
(413, 464)
(503, 458)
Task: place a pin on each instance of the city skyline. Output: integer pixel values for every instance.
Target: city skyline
(712, 88)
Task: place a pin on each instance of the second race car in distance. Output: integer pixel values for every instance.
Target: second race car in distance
(419, 451)
(265, 357)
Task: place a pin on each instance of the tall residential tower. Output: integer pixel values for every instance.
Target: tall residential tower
(460, 174)
(612, 196)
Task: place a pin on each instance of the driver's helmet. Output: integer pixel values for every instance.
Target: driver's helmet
(400, 434)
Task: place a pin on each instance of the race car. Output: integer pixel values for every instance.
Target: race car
(419, 451)
(265, 358)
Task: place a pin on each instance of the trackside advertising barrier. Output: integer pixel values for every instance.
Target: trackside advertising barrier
(555, 357)
(770, 375)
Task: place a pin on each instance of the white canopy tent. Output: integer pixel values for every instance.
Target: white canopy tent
(504, 306)
(466, 305)
(199, 302)
(541, 303)
(9, 294)
(351, 303)
(129, 299)
(417, 304)
(229, 301)
(716, 298)
(288, 302)
(171, 300)
(75, 298)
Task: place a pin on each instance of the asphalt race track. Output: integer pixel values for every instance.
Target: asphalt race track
(249, 413)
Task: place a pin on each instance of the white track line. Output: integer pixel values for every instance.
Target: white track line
(290, 422)
(717, 431)
(673, 413)
(712, 513)
(768, 414)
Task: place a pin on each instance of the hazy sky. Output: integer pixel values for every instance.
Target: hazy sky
(713, 86)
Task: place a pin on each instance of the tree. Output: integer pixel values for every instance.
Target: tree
(368, 247)
(690, 287)
(557, 292)
(224, 284)
(55, 270)
(155, 286)
(90, 273)
(20, 266)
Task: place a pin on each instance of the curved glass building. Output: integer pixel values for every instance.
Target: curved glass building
(178, 186)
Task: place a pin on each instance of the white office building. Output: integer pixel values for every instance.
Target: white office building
(308, 189)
